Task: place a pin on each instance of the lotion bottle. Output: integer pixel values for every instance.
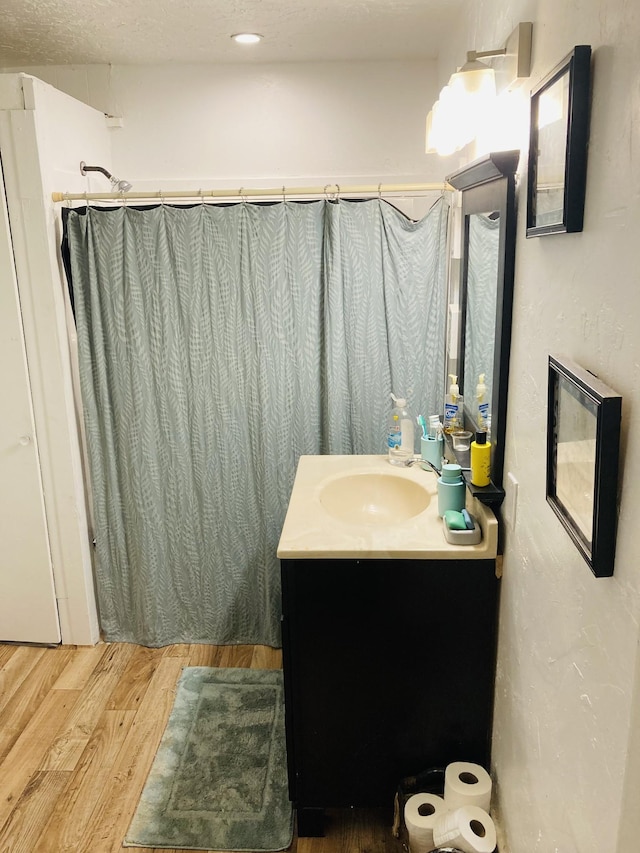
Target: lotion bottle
(480, 460)
(453, 406)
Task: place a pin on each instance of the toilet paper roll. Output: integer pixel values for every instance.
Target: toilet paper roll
(420, 815)
(468, 828)
(467, 784)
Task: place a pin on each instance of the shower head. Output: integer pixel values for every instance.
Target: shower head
(118, 185)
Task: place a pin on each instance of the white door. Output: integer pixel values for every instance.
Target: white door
(28, 611)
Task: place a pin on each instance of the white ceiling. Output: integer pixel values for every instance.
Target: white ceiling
(74, 32)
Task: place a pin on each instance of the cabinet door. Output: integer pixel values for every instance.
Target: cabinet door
(390, 672)
(28, 611)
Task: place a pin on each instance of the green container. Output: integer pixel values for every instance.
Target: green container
(452, 491)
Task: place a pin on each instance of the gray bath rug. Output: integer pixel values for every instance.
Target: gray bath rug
(219, 781)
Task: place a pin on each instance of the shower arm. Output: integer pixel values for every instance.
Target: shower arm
(121, 186)
(84, 169)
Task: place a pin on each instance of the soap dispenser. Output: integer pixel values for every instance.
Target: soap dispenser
(452, 491)
(453, 406)
(482, 404)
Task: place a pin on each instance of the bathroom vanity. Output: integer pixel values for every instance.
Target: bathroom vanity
(388, 634)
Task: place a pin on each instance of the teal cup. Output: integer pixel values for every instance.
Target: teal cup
(432, 450)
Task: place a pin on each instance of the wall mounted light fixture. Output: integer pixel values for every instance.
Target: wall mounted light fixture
(467, 99)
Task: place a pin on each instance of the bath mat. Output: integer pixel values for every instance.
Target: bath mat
(219, 780)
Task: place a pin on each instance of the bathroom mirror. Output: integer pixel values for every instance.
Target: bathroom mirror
(583, 437)
(557, 170)
(488, 231)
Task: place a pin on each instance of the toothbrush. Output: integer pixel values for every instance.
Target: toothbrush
(422, 423)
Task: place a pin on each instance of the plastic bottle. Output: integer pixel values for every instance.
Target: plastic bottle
(482, 404)
(453, 406)
(452, 491)
(481, 460)
(400, 438)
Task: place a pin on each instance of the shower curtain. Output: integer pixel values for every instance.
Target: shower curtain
(217, 344)
(482, 275)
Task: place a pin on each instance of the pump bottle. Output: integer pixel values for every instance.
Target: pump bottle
(453, 406)
(480, 460)
(482, 405)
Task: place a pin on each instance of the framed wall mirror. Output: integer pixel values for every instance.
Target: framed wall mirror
(583, 437)
(557, 169)
(488, 235)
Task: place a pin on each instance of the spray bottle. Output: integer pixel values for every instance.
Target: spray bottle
(400, 438)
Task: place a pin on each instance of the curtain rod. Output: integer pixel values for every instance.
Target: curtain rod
(334, 190)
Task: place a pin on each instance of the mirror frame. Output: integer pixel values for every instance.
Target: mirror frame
(488, 185)
(572, 162)
(598, 548)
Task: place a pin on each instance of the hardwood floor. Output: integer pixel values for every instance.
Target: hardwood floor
(79, 728)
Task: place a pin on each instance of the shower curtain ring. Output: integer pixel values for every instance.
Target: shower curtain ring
(201, 194)
(380, 192)
(242, 196)
(284, 194)
(326, 192)
(337, 192)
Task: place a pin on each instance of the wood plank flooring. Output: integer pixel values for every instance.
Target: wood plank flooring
(79, 728)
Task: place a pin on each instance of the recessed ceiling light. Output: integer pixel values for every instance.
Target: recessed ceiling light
(247, 38)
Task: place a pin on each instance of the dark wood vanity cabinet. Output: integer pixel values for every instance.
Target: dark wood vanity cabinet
(389, 670)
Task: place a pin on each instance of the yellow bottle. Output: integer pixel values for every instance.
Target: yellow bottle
(480, 460)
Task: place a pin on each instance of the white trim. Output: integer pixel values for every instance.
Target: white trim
(35, 250)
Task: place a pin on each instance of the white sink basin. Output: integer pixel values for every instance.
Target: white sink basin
(373, 498)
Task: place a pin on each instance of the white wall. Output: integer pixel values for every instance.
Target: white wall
(567, 707)
(42, 144)
(221, 126)
(567, 716)
(359, 122)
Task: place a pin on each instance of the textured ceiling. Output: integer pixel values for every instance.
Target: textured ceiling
(61, 32)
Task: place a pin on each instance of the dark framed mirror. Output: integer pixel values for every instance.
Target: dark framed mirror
(559, 132)
(583, 438)
(488, 237)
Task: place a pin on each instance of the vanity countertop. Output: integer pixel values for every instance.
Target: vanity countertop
(311, 531)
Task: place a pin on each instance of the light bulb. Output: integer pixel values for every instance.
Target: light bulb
(247, 38)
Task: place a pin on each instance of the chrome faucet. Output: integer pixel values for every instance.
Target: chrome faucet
(424, 462)
(415, 459)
